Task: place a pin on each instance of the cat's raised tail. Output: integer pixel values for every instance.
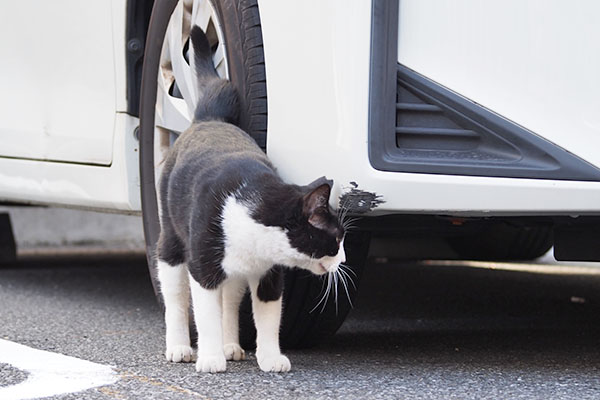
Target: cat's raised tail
(218, 100)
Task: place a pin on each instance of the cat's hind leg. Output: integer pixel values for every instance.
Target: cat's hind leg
(233, 291)
(208, 317)
(174, 286)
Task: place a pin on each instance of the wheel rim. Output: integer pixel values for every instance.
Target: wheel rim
(176, 95)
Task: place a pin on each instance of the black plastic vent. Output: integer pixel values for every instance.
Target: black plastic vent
(427, 130)
(419, 126)
(438, 131)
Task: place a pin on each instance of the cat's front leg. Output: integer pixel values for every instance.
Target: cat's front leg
(233, 291)
(174, 287)
(207, 315)
(267, 317)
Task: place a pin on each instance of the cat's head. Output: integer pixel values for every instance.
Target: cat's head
(317, 232)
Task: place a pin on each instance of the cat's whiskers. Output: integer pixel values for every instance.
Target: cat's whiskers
(335, 288)
(342, 210)
(349, 223)
(310, 262)
(347, 269)
(346, 275)
(332, 279)
(343, 278)
(325, 296)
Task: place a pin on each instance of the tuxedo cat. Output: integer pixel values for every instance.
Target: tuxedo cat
(228, 222)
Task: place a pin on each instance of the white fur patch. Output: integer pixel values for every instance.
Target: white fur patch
(174, 287)
(233, 291)
(267, 318)
(208, 315)
(252, 248)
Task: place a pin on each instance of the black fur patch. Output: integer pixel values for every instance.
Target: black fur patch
(205, 253)
(285, 206)
(170, 248)
(220, 103)
(270, 287)
(219, 99)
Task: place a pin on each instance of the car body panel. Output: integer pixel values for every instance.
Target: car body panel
(322, 129)
(58, 81)
(318, 76)
(114, 187)
(66, 139)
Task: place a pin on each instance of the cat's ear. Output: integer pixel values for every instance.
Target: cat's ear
(316, 199)
(318, 182)
(315, 205)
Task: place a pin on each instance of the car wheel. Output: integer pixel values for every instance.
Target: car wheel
(168, 97)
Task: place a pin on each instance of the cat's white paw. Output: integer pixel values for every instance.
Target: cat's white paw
(211, 363)
(234, 351)
(179, 353)
(274, 363)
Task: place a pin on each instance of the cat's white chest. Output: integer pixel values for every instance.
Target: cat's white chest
(250, 248)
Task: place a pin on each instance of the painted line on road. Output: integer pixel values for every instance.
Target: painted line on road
(50, 374)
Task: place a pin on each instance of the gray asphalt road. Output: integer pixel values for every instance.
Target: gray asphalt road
(419, 331)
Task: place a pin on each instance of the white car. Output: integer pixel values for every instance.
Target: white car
(475, 122)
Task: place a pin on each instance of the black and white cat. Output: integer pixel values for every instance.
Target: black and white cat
(229, 222)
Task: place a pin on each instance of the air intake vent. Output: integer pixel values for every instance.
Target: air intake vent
(427, 129)
(419, 126)
(439, 132)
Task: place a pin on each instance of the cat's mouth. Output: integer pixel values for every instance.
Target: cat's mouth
(322, 268)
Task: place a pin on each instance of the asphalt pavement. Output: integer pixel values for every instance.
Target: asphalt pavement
(418, 331)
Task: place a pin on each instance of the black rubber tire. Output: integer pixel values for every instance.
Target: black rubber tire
(240, 21)
(504, 242)
(159, 20)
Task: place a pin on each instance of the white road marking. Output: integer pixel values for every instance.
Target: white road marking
(50, 374)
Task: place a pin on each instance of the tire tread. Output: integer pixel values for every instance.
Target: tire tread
(254, 65)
